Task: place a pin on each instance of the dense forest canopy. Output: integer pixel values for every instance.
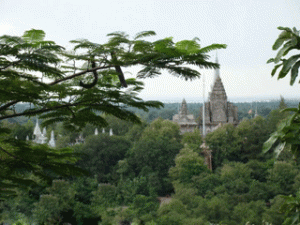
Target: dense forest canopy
(147, 172)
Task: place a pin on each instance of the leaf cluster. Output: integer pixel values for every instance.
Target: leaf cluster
(287, 134)
(288, 40)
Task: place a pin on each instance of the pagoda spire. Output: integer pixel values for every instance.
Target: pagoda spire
(217, 84)
(217, 71)
(183, 110)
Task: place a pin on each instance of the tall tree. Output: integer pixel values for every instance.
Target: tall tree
(79, 87)
(153, 154)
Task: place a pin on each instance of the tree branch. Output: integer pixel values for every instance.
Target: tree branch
(12, 64)
(8, 105)
(38, 111)
(51, 84)
(79, 74)
(11, 155)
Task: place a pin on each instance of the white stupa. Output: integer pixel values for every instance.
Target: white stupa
(111, 132)
(39, 137)
(96, 131)
(37, 133)
(52, 140)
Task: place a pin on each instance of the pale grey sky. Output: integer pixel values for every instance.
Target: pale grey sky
(249, 28)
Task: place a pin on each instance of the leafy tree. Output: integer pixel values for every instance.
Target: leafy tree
(274, 214)
(218, 212)
(24, 130)
(192, 140)
(154, 153)
(236, 178)
(253, 134)
(282, 176)
(84, 187)
(291, 208)
(225, 145)
(188, 165)
(135, 132)
(254, 213)
(288, 40)
(172, 213)
(259, 170)
(206, 183)
(79, 87)
(51, 206)
(287, 135)
(101, 153)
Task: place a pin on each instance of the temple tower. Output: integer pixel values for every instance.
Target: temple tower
(218, 110)
(185, 120)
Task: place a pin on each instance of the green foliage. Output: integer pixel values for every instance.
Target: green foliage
(105, 196)
(101, 153)
(287, 134)
(224, 143)
(205, 183)
(19, 159)
(144, 208)
(192, 140)
(60, 198)
(188, 164)
(253, 134)
(76, 88)
(236, 178)
(291, 209)
(84, 187)
(274, 214)
(153, 154)
(282, 176)
(172, 213)
(290, 40)
(254, 213)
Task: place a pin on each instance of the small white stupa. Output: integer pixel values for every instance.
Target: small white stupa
(96, 131)
(37, 133)
(39, 137)
(111, 132)
(52, 140)
(103, 130)
(37, 130)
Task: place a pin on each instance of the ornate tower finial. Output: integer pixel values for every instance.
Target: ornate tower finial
(217, 71)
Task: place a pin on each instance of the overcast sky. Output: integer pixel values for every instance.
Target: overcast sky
(249, 28)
